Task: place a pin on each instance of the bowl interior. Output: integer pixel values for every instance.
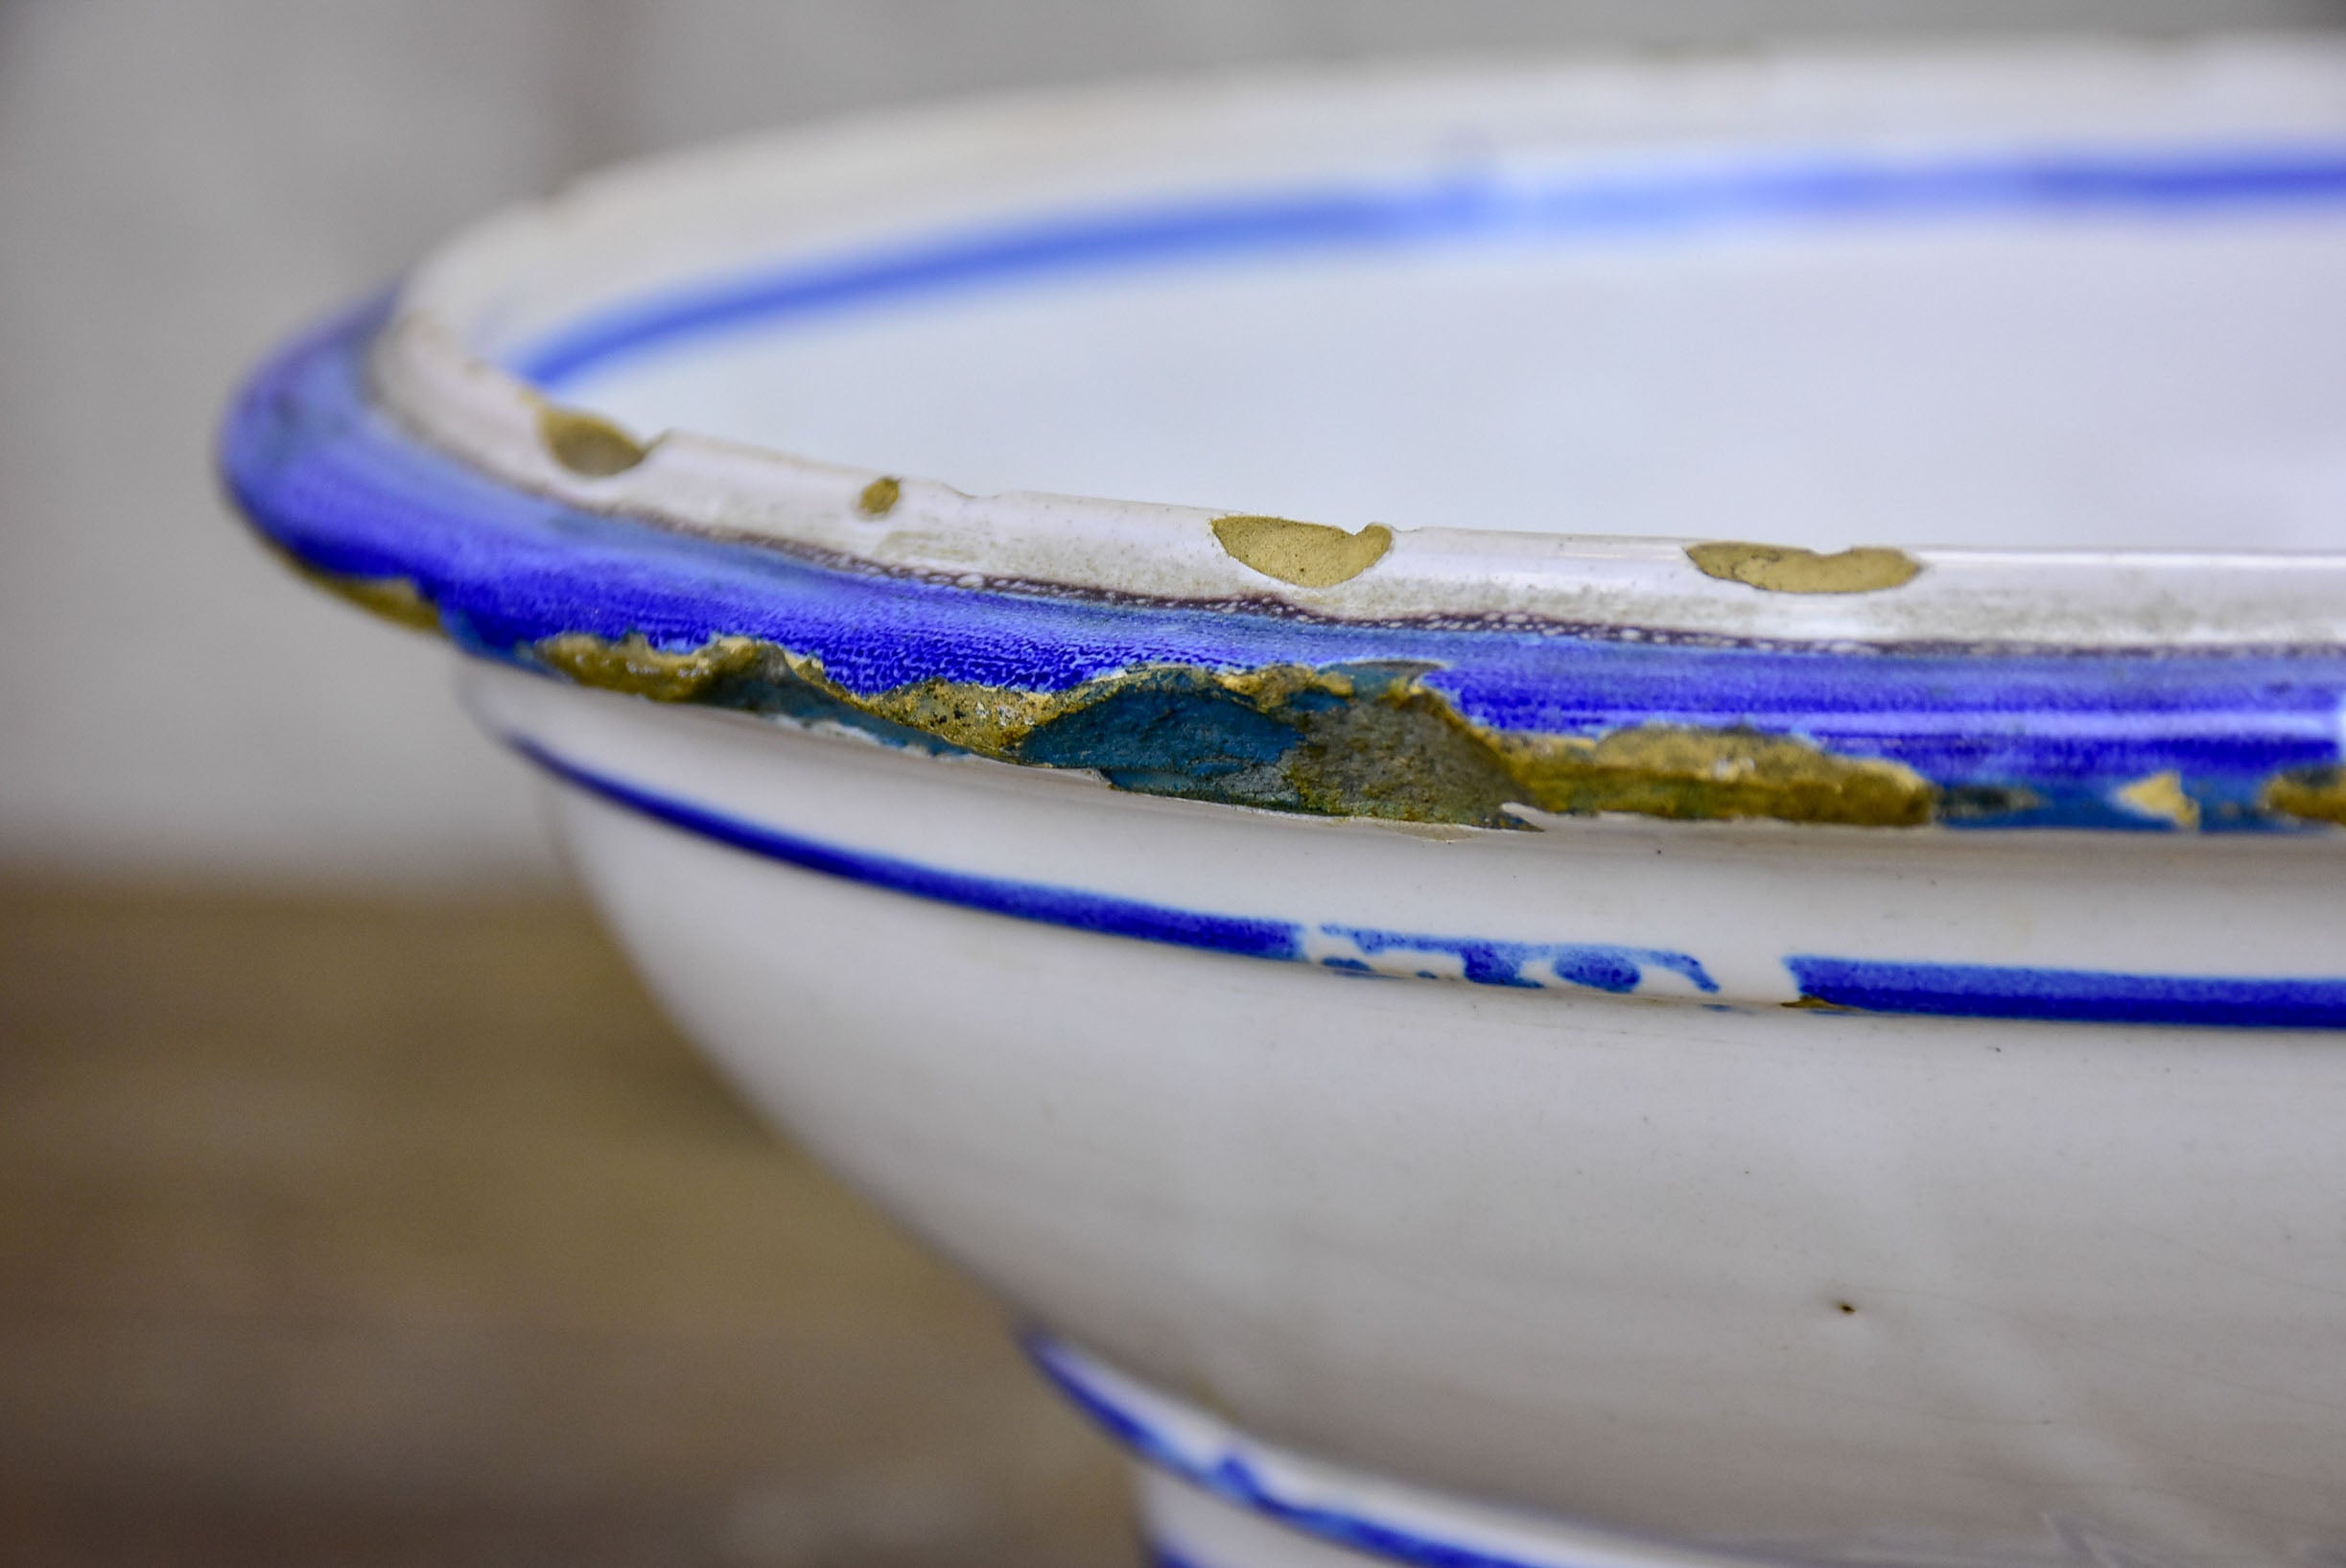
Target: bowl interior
(2063, 344)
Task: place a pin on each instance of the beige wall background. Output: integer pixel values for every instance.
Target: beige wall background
(181, 181)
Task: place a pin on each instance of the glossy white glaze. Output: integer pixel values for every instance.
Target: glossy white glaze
(1757, 1274)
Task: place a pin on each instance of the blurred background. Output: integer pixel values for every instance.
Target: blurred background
(354, 1205)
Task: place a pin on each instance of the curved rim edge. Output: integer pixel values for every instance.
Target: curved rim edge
(433, 379)
(1480, 725)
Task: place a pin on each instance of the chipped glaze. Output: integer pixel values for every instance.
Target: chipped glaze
(2310, 794)
(1564, 1049)
(1780, 568)
(1306, 554)
(1465, 722)
(587, 444)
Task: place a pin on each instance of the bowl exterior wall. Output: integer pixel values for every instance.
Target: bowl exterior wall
(1685, 1261)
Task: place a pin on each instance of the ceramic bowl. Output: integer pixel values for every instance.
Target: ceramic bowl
(1674, 894)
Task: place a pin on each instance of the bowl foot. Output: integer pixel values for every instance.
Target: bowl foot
(1189, 1527)
(1213, 1497)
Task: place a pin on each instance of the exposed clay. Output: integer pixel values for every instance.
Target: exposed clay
(1307, 555)
(2162, 796)
(1788, 569)
(587, 444)
(393, 599)
(633, 666)
(880, 496)
(1368, 739)
(2309, 794)
(1365, 739)
(1666, 771)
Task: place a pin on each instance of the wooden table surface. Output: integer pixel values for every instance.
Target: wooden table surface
(369, 1232)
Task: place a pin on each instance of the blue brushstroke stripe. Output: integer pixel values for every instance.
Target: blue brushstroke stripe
(1989, 991)
(1230, 1476)
(1450, 207)
(1484, 961)
(1592, 966)
(1867, 985)
(1068, 907)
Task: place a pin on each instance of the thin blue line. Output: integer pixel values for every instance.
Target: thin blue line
(1986, 991)
(1591, 965)
(1867, 984)
(1230, 1477)
(1447, 208)
(1047, 905)
(1161, 1555)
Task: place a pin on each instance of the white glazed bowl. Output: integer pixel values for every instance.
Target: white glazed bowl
(1501, 1025)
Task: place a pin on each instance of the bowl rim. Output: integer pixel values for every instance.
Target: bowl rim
(849, 233)
(394, 454)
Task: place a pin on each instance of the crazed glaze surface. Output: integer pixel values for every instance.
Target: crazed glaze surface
(1488, 1041)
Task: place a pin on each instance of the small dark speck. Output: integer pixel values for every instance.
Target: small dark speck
(1846, 1307)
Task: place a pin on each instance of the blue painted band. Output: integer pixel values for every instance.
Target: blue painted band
(1449, 209)
(2041, 738)
(1869, 985)
(1520, 965)
(1068, 907)
(1987, 990)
